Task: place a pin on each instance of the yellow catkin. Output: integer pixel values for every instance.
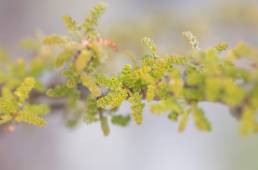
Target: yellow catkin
(7, 106)
(247, 122)
(150, 92)
(69, 23)
(137, 108)
(151, 45)
(112, 99)
(143, 73)
(201, 122)
(5, 118)
(54, 40)
(88, 82)
(82, 60)
(192, 39)
(183, 121)
(30, 118)
(104, 125)
(22, 92)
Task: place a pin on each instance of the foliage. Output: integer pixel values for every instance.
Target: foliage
(14, 107)
(171, 85)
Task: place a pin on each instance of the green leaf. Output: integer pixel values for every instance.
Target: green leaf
(82, 60)
(137, 107)
(70, 23)
(8, 106)
(60, 91)
(92, 109)
(22, 92)
(54, 40)
(63, 57)
(201, 122)
(121, 120)
(183, 120)
(40, 109)
(92, 19)
(191, 39)
(31, 119)
(89, 82)
(104, 125)
(151, 45)
(112, 99)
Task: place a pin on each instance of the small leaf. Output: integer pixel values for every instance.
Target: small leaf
(22, 92)
(151, 45)
(183, 121)
(201, 122)
(92, 108)
(63, 57)
(121, 120)
(54, 40)
(104, 125)
(8, 106)
(30, 118)
(40, 109)
(192, 39)
(82, 60)
(88, 82)
(70, 23)
(136, 107)
(92, 19)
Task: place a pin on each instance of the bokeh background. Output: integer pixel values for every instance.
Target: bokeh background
(156, 145)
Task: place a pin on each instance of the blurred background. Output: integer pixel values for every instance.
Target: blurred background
(156, 144)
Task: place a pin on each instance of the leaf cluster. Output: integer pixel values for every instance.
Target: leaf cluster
(171, 85)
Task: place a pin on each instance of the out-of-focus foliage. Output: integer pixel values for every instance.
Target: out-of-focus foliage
(20, 78)
(15, 108)
(172, 85)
